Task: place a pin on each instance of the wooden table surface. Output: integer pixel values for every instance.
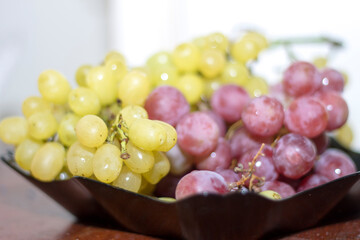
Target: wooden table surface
(27, 213)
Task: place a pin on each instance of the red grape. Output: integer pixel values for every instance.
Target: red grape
(294, 155)
(311, 181)
(229, 175)
(332, 80)
(200, 181)
(321, 142)
(219, 121)
(263, 116)
(284, 189)
(228, 101)
(167, 104)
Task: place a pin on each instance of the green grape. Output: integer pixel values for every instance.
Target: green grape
(107, 163)
(167, 199)
(91, 131)
(81, 75)
(245, 49)
(25, 152)
(140, 161)
(345, 135)
(192, 86)
(59, 111)
(164, 75)
(270, 194)
(257, 86)
(48, 161)
(114, 55)
(99, 79)
(159, 59)
(132, 112)
(128, 180)
(186, 57)
(13, 130)
(211, 85)
(42, 125)
(66, 129)
(108, 113)
(171, 137)
(260, 39)
(146, 188)
(134, 88)
(80, 160)
(117, 69)
(160, 169)
(212, 63)
(84, 101)
(235, 73)
(217, 41)
(35, 104)
(147, 134)
(53, 86)
(64, 174)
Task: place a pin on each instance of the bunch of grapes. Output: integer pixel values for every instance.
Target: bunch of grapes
(196, 112)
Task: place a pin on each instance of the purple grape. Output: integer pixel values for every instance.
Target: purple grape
(229, 175)
(311, 181)
(332, 80)
(321, 142)
(220, 122)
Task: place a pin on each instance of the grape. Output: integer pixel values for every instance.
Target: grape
(334, 164)
(336, 108)
(306, 116)
(245, 49)
(25, 152)
(32, 105)
(99, 79)
(197, 134)
(263, 116)
(211, 85)
(294, 155)
(179, 163)
(219, 121)
(147, 134)
(117, 69)
(84, 101)
(212, 63)
(345, 135)
(200, 181)
(311, 181)
(53, 86)
(186, 57)
(301, 78)
(171, 137)
(229, 175)
(166, 104)
(257, 86)
(160, 169)
(140, 161)
(134, 88)
(270, 194)
(128, 180)
(146, 187)
(42, 125)
(159, 59)
(80, 160)
(242, 141)
(164, 75)
(321, 143)
(107, 163)
(217, 41)
(235, 73)
(91, 131)
(258, 38)
(66, 131)
(228, 101)
(131, 113)
(283, 189)
(264, 165)
(81, 75)
(114, 55)
(59, 111)
(48, 161)
(220, 158)
(277, 91)
(201, 42)
(332, 80)
(192, 86)
(13, 130)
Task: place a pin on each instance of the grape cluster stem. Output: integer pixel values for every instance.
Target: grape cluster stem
(116, 130)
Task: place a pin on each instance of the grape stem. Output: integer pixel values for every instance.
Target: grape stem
(116, 130)
(306, 40)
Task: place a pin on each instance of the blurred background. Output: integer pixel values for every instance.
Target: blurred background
(46, 34)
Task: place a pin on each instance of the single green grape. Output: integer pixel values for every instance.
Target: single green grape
(128, 180)
(345, 135)
(91, 131)
(192, 86)
(140, 161)
(81, 75)
(107, 163)
(270, 194)
(186, 57)
(212, 63)
(235, 73)
(134, 88)
(25, 152)
(117, 69)
(42, 125)
(13, 130)
(132, 112)
(59, 111)
(114, 55)
(217, 41)
(66, 131)
(167, 199)
(53, 86)
(80, 160)
(84, 101)
(100, 80)
(48, 161)
(160, 169)
(259, 38)
(164, 75)
(171, 137)
(147, 134)
(35, 104)
(159, 59)
(201, 43)
(211, 85)
(245, 49)
(257, 86)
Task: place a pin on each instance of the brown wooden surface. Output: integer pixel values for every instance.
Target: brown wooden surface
(27, 213)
